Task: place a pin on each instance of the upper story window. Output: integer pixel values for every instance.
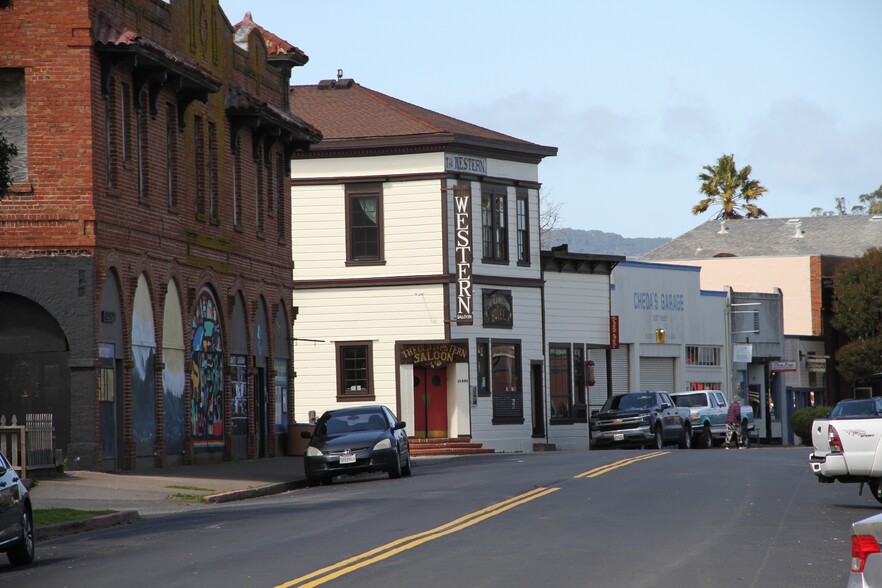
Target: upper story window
(125, 119)
(213, 183)
(171, 154)
(494, 231)
(702, 355)
(13, 114)
(199, 134)
(364, 223)
(237, 187)
(280, 196)
(143, 142)
(523, 232)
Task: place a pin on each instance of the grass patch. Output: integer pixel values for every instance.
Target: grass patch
(187, 497)
(195, 488)
(53, 516)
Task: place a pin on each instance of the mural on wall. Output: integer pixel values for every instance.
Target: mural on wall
(280, 399)
(240, 394)
(206, 372)
(143, 374)
(174, 372)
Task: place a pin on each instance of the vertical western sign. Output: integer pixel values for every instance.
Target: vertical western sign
(462, 227)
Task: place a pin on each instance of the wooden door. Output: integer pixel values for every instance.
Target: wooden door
(430, 402)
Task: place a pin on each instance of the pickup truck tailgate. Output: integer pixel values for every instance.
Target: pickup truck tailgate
(819, 436)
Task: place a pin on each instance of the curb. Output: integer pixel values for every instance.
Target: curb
(99, 522)
(267, 490)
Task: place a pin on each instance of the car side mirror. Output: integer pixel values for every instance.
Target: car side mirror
(665, 406)
(399, 425)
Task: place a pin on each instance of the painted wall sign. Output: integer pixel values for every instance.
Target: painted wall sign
(434, 354)
(782, 366)
(462, 210)
(816, 364)
(461, 163)
(742, 353)
(614, 331)
(498, 308)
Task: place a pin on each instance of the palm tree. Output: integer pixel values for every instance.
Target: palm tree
(732, 189)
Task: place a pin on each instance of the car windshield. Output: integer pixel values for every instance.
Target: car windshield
(690, 400)
(350, 422)
(854, 408)
(626, 401)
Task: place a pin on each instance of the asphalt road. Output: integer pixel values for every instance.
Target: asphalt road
(753, 517)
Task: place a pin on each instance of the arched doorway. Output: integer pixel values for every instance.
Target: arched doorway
(174, 373)
(206, 373)
(143, 376)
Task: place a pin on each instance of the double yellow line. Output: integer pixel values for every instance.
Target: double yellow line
(373, 556)
(395, 547)
(618, 464)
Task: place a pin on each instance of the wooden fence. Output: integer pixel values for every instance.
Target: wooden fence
(12, 444)
(30, 446)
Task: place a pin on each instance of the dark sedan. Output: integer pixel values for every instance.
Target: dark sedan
(16, 517)
(356, 440)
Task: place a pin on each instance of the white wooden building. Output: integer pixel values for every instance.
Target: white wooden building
(418, 277)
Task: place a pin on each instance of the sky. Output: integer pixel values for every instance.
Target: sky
(637, 96)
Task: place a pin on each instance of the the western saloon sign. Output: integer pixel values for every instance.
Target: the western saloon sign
(462, 211)
(461, 163)
(434, 354)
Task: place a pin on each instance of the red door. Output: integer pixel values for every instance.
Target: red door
(430, 402)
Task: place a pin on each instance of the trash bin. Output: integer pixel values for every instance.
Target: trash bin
(296, 443)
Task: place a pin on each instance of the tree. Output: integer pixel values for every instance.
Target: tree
(870, 203)
(549, 217)
(7, 152)
(731, 189)
(857, 311)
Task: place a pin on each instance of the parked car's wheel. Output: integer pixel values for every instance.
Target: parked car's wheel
(874, 488)
(686, 438)
(23, 552)
(405, 470)
(745, 433)
(707, 442)
(659, 436)
(395, 470)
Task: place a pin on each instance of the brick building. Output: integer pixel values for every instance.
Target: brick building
(145, 254)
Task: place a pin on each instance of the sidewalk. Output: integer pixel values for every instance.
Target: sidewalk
(144, 493)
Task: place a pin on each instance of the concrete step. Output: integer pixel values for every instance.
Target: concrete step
(445, 446)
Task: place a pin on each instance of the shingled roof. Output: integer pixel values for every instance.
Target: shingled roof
(840, 236)
(352, 116)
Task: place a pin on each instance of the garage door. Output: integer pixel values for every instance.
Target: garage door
(621, 381)
(657, 373)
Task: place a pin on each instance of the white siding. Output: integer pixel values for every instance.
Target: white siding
(380, 166)
(381, 315)
(577, 308)
(412, 231)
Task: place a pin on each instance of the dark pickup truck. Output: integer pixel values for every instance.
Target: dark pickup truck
(638, 419)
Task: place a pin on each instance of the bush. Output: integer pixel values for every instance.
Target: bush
(801, 421)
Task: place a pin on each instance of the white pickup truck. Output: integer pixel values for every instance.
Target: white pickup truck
(848, 445)
(707, 410)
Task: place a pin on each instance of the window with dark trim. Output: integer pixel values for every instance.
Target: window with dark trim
(280, 196)
(142, 138)
(494, 230)
(523, 228)
(482, 355)
(579, 374)
(213, 183)
(364, 223)
(270, 187)
(237, 186)
(355, 374)
(505, 382)
(560, 389)
(258, 169)
(171, 154)
(110, 135)
(125, 121)
(199, 134)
